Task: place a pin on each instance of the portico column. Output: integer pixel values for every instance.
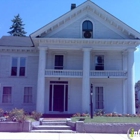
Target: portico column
(130, 83)
(124, 95)
(41, 80)
(86, 80)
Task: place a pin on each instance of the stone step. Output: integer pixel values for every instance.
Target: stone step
(53, 131)
(53, 123)
(52, 127)
(51, 120)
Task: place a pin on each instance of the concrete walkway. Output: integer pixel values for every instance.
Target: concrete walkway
(62, 136)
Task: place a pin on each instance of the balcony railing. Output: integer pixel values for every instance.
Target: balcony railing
(63, 73)
(108, 74)
(79, 73)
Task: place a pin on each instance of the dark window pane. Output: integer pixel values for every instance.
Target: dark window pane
(22, 71)
(14, 71)
(87, 26)
(58, 61)
(14, 66)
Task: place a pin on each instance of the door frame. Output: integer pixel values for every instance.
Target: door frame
(51, 95)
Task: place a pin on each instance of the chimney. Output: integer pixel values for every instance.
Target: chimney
(73, 6)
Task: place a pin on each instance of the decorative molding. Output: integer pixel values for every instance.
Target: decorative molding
(18, 49)
(67, 41)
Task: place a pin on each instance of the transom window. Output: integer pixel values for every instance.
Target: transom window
(27, 94)
(58, 62)
(87, 29)
(7, 95)
(99, 62)
(18, 66)
(99, 97)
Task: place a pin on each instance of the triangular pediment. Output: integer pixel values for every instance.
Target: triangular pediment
(87, 10)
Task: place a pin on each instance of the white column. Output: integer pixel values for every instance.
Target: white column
(130, 83)
(124, 67)
(41, 80)
(86, 81)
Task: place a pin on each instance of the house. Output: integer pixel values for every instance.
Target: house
(85, 54)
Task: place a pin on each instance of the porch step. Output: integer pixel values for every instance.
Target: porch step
(53, 131)
(52, 125)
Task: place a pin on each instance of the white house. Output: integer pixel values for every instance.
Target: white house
(52, 70)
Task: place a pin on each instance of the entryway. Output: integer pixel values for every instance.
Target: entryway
(58, 98)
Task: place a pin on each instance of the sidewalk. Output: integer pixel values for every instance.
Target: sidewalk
(62, 136)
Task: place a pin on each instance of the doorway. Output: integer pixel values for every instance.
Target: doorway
(58, 100)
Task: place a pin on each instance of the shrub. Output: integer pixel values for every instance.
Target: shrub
(36, 115)
(17, 115)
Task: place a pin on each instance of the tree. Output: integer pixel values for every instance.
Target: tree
(17, 28)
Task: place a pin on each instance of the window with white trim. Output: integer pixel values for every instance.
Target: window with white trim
(27, 95)
(7, 95)
(99, 98)
(87, 29)
(18, 66)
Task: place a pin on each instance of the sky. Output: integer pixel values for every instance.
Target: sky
(37, 13)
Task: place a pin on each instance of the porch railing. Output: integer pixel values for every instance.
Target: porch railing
(108, 73)
(63, 73)
(79, 73)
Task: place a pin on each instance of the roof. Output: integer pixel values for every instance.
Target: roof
(16, 41)
(97, 11)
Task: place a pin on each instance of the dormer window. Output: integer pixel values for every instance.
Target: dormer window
(87, 29)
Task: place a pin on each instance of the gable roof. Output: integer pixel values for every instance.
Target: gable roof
(97, 11)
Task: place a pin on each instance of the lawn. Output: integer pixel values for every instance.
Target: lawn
(102, 119)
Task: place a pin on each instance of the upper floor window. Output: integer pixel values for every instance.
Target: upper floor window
(58, 62)
(7, 95)
(18, 66)
(87, 29)
(99, 62)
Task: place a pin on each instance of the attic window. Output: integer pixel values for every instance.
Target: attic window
(87, 29)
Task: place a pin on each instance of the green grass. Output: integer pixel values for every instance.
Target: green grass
(98, 119)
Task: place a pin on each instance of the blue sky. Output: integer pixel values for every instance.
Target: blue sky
(37, 13)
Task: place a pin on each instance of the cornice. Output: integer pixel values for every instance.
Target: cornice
(101, 42)
(18, 49)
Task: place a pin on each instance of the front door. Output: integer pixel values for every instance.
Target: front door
(58, 99)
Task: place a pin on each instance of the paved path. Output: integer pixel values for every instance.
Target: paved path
(62, 136)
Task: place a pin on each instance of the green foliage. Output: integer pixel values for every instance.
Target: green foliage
(17, 28)
(17, 115)
(36, 115)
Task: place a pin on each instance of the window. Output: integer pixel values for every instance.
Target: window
(28, 95)
(87, 29)
(58, 62)
(99, 62)
(99, 97)
(18, 66)
(6, 97)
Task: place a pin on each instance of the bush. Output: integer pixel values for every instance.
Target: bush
(36, 115)
(17, 115)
